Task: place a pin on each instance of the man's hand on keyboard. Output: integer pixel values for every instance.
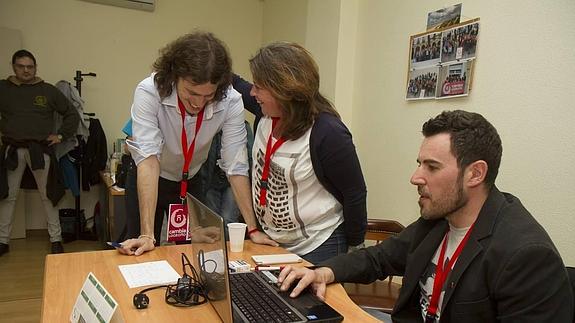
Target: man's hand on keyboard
(303, 277)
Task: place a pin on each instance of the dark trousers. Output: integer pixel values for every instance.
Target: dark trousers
(168, 193)
(132, 204)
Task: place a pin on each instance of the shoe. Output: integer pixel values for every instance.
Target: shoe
(4, 248)
(57, 247)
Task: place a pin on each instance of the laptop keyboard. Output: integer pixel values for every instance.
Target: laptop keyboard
(257, 302)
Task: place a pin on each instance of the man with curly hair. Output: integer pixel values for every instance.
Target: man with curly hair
(176, 112)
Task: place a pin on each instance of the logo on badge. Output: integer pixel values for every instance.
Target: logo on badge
(178, 222)
(178, 218)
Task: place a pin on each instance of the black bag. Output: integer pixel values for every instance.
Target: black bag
(123, 170)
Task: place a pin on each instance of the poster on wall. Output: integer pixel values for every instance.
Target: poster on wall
(441, 62)
(426, 50)
(459, 43)
(422, 83)
(444, 17)
(454, 80)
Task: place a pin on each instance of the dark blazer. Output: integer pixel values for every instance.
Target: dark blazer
(509, 271)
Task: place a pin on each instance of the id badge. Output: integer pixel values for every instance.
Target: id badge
(178, 223)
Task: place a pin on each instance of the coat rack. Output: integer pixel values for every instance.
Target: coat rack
(77, 209)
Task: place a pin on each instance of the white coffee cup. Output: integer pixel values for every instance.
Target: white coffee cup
(237, 232)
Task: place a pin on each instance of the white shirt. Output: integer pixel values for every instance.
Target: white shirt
(157, 128)
(300, 213)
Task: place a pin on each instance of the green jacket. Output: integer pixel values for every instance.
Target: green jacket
(27, 110)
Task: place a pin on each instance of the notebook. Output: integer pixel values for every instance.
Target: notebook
(248, 296)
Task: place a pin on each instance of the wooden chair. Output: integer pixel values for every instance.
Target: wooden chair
(382, 294)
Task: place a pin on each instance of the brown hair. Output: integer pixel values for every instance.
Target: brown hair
(200, 57)
(473, 138)
(289, 72)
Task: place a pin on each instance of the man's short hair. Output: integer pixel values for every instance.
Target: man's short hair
(23, 53)
(473, 138)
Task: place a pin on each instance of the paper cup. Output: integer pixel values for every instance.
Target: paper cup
(237, 232)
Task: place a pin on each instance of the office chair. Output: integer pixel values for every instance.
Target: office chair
(381, 294)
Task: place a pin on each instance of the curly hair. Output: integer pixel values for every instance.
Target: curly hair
(289, 72)
(199, 57)
(473, 138)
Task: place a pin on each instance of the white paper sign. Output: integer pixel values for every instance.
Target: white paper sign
(95, 304)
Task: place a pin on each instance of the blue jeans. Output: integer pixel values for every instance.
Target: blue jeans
(335, 245)
(222, 202)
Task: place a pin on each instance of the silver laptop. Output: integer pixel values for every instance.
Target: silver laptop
(245, 297)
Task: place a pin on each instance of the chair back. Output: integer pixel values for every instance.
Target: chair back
(379, 295)
(379, 230)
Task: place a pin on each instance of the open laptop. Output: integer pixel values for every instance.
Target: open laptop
(231, 293)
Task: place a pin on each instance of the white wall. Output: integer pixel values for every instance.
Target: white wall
(11, 40)
(327, 28)
(284, 21)
(522, 84)
(121, 44)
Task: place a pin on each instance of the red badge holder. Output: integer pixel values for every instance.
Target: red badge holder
(178, 223)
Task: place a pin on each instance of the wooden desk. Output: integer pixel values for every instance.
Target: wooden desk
(65, 273)
(113, 208)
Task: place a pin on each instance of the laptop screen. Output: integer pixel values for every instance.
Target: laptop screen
(210, 255)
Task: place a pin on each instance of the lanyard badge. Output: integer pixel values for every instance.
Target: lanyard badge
(441, 273)
(178, 222)
(188, 152)
(270, 150)
(178, 219)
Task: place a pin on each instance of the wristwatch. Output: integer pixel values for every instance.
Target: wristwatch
(60, 137)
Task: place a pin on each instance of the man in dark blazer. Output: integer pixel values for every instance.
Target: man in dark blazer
(499, 263)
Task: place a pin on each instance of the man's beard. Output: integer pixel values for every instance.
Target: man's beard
(447, 205)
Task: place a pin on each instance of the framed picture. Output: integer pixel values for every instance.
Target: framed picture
(454, 79)
(459, 43)
(422, 83)
(441, 62)
(426, 50)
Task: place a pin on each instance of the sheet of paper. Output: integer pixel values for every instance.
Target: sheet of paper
(149, 273)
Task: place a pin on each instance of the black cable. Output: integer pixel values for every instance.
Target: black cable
(188, 291)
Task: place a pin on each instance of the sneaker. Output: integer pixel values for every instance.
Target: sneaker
(57, 247)
(4, 248)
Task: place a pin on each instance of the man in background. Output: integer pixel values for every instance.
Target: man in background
(475, 254)
(27, 107)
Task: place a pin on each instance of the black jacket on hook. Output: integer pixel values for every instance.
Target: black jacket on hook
(95, 155)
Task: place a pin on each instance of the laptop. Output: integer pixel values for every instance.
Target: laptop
(249, 296)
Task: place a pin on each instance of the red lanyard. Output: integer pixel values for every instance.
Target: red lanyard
(441, 273)
(270, 150)
(188, 152)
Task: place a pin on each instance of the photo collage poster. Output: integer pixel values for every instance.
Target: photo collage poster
(441, 62)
